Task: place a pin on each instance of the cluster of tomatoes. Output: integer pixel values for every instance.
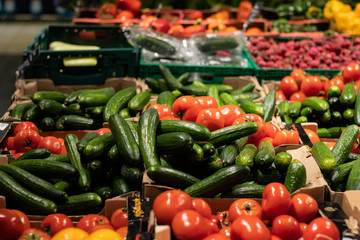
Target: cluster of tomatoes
(15, 225)
(290, 218)
(300, 85)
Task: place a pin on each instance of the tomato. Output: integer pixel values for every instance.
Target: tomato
(9, 143)
(249, 228)
(312, 135)
(11, 225)
(25, 125)
(330, 145)
(303, 227)
(288, 86)
(26, 140)
(337, 81)
(169, 203)
(102, 131)
(265, 139)
(56, 222)
(286, 137)
(298, 75)
(279, 95)
(223, 218)
(207, 102)
(124, 15)
(201, 206)
(276, 200)
(255, 137)
(170, 118)
(195, 14)
(230, 113)
(71, 234)
(273, 237)
(176, 30)
(225, 231)
(303, 207)
(16, 155)
(160, 25)
(321, 226)
(163, 110)
(216, 236)
(187, 108)
(190, 30)
(286, 227)
(23, 217)
(211, 226)
(211, 118)
(133, 6)
(51, 143)
(146, 22)
(244, 206)
(215, 219)
(87, 222)
(298, 96)
(122, 231)
(311, 85)
(189, 225)
(270, 130)
(351, 72)
(119, 218)
(34, 233)
(101, 226)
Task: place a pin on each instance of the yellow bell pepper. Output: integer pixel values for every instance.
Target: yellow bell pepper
(71, 234)
(354, 28)
(333, 7)
(357, 10)
(343, 20)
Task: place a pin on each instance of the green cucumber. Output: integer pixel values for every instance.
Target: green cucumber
(345, 143)
(282, 161)
(250, 107)
(301, 119)
(228, 155)
(95, 168)
(90, 99)
(49, 95)
(59, 125)
(169, 78)
(58, 157)
(340, 174)
(74, 108)
(228, 99)
(245, 190)
(348, 116)
(73, 97)
(324, 157)
(19, 110)
(357, 109)
(333, 132)
(208, 149)
(306, 111)
(134, 130)
(294, 109)
(336, 117)
(155, 45)
(194, 154)
(156, 86)
(132, 175)
(104, 191)
(269, 104)
(95, 112)
(114, 154)
(32, 114)
(197, 131)
(193, 90)
(85, 140)
(76, 122)
(81, 204)
(265, 156)
(64, 186)
(295, 176)
(317, 104)
(269, 175)
(165, 162)
(214, 92)
(119, 186)
(246, 88)
(283, 108)
(35, 154)
(333, 91)
(325, 117)
(348, 95)
(240, 143)
(174, 142)
(47, 124)
(249, 95)
(213, 44)
(118, 101)
(334, 104)
(184, 78)
(138, 102)
(98, 146)
(50, 108)
(166, 98)
(247, 155)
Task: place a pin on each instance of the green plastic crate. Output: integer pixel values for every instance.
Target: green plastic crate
(115, 58)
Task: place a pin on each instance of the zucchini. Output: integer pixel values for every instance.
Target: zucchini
(48, 95)
(228, 155)
(197, 131)
(85, 140)
(148, 123)
(345, 143)
(81, 204)
(76, 122)
(213, 44)
(246, 88)
(269, 104)
(295, 176)
(98, 146)
(19, 110)
(156, 45)
(118, 101)
(20, 198)
(169, 78)
(138, 102)
(214, 92)
(245, 190)
(317, 104)
(71, 141)
(166, 98)
(156, 86)
(35, 154)
(340, 174)
(50, 108)
(218, 182)
(348, 95)
(265, 156)
(174, 142)
(247, 155)
(119, 186)
(250, 107)
(323, 157)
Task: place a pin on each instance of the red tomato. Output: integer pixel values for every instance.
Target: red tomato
(169, 203)
(16, 155)
(190, 30)
(160, 25)
(207, 102)
(195, 14)
(273, 237)
(216, 236)
(244, 206)
(54, 223)
(189, 225)
(34, 233)
(170, 118)
(212, 227)
(187, 108)
(101, 226)
(298, 75)
(330, 145)
(270, 130)
(303, 227)
(23, 217)
(133, 6)
(215, 219)
(124, 15)
(351, 72)
(11, 225)
(51, 143)
(311, 85)
(201, 206)
(279, 95)
(230, 113)
(321, 226)
(286, 137)
(176, 30)
(303, 207)
(119, 218)
(276, 200)
(163, 110)
(26, 140)
(145, 23)
(255, 137)
(225, 231)
(286, 227)
(312, 135)
(211, 118)
(249, 228)
(25, 125)
(9, 143)
(337, 81)
(288, 86)
(297, 96)
(223, 218)
(122, 231)
(87, 222)
(102, 131)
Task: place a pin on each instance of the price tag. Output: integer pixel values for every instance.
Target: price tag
(28, 62)
(138, 212)
(255, 11)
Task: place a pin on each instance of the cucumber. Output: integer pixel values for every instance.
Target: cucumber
(76, 122)
(294, 109)
(324, 157)
(58, 157)
(250, 107)
(47, 169)
(59, 125)
(344, 144)
(74, 108)
(325, 117)
(114, 155)
(265, 156)
(125, 113)
(91, 99)
(246, 88)
(132, 175)
(169, 78)
(171, 177)
(282, 161)
(134, 130)
(336, 117)
(269, 175)
(352, 157)
(98, 146)
(95, 112)
(95, 168)
(295, 176)
(353, 181)
(228, 155)
(50, 108)
(333, 132)
(247, 155)
(71, 141)
(229, 134)
(138, 102)
(47, 124)
(317, 104)
(184, 78)
(155, 45)
(333, 91)
(213, 44)
(73, 97)
(166, 98)
(156, 86)
(208, 149)
(306, 111)
(334, 104)
(197, 131)
(193, 90)
(64, 186)
(220, 181)
(105, 192)
(22, 199)
(174, 142)
(125, 141)
(19, 110)
(193, 155)
(269, 104)
(165, 163)
(35, 154)
(348, 95)
(215, 163)
(214, 92)
(32, 114)
(148, 123)
(228, 99)
(81, 204)
(118, 101)
(340, 174)
(249, 95)
(283, 108)
(34, 184)
(348, 116)
(245, 190)
(301, 119)
(240, 143)
(85, 140)
(48, 95)
(119, 186)
(357, 109)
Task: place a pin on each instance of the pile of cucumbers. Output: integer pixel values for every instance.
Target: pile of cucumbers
(81, 110)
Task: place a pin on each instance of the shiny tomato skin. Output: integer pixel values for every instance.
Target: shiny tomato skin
(225, 231)
(186, 108)
(167, 204)
(11, 225)
(201, 206)
(279, 95)
(189, 225)
(102, 131)
(34, 233)
(303, 207)
(23, 217)
(260, 133)
(286, 137)
(163, 110)
(337, 81)
(244, 206)
(9, 143)
(25, 125)
(270, 130)
(230, 113)
(297, 96)
(351, 72)
(51, 143)
(215, 219)
(224, 218)
(298, 75)
(276, 200)
(286, 227)
(207, 102)
(56, 222)
(216, 236)
(26, 139)
(249, 228)
(119, 218)
(303, 227)
(212, 227)
(274, 237)
(211, 118)
(312, 135)
(321, 226)
(311, 85)
(87, 222)
(288, 86)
